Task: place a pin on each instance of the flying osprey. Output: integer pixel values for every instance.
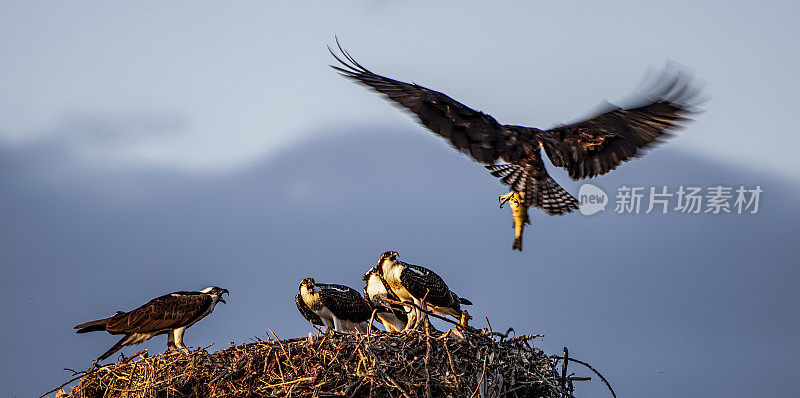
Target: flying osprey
(586, 149)
(411, 283)
(171, 314)
(338, 307)
(392, 316)
(306, 312)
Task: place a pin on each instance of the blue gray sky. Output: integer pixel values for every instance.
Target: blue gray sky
(147, 148)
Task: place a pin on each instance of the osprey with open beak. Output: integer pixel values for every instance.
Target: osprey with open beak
(169, 314)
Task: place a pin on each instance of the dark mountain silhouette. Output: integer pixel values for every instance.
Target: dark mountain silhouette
(663, 305)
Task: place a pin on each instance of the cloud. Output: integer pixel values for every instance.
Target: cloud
(112, 140)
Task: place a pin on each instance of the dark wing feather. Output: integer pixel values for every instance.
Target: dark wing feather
(470, 131)
(306, 312)
(598, 145)
(166, 312)
(345, 302)
(419, 280)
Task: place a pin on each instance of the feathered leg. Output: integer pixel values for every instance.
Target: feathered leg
(337, 325)
(179, 339)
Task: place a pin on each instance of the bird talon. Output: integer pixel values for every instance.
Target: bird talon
(505, 198)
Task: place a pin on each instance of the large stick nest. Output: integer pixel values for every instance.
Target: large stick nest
(412, 364)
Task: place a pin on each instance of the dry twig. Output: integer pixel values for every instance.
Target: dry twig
(381, 364)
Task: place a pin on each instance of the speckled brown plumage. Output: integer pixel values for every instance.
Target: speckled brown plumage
(586, 148)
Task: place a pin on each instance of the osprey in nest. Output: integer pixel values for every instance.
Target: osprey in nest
(392, 316)
(414, 284)
(588, 148)
(338, 307)
(169, 314)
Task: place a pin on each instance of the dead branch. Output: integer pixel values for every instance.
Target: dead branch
(608, 385)
(409, 365)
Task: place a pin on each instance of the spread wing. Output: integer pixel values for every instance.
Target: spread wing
(598, 145)
(345, 302)
(166, 312)
(470, 131)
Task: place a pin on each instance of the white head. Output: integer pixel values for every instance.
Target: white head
(307, 286)
(215, 293)
(386, 262)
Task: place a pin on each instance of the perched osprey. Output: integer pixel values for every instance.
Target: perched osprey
(411, 283)
(587, 148)
(306, 312)
(338, 307)
(392, 316)
(171, 314)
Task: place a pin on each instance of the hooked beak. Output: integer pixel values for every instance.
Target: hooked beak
(224, 291)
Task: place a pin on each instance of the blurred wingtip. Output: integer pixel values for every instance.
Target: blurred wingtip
(673, 83)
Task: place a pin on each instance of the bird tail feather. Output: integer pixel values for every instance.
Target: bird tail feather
(555, 199)
(459, 299)
(93, 326)
(116, 347)
(539, 188)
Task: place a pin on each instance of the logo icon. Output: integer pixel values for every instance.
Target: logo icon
(592, 198)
